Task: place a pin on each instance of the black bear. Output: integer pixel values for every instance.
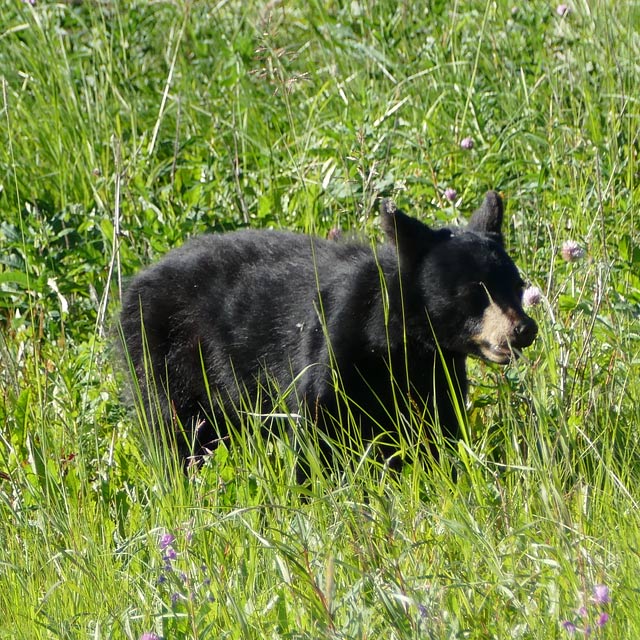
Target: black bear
(358, 335)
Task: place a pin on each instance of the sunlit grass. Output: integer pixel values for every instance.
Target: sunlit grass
(128, 127)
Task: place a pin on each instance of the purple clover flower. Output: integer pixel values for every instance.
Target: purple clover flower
(531, 297)
(166, 539)
(450, 194)
(563, 10)
(149, 635)
(466, 143)
(600, 597)
(170, 555)
(601, 594)
(571, 251)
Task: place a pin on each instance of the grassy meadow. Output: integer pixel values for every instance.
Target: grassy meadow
(128, 127)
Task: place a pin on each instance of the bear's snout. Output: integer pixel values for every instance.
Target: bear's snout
(524, 332)
(503, 332)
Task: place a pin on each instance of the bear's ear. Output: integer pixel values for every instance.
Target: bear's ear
(488, 218)
(410, 236)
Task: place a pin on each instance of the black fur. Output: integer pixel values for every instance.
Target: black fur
(252, 306)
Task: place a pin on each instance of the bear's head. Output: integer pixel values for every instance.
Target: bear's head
(468, 287)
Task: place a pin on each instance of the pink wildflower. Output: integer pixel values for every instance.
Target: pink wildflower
(601, 594)
(466, 143)
(571, 251)
(166, 540)
(450, 194)
(531, 297)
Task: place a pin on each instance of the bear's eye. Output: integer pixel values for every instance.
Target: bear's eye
(475, 293)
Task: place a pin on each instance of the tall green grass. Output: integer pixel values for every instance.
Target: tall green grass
(129, 126)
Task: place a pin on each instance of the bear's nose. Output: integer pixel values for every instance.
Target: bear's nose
(525, 332)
